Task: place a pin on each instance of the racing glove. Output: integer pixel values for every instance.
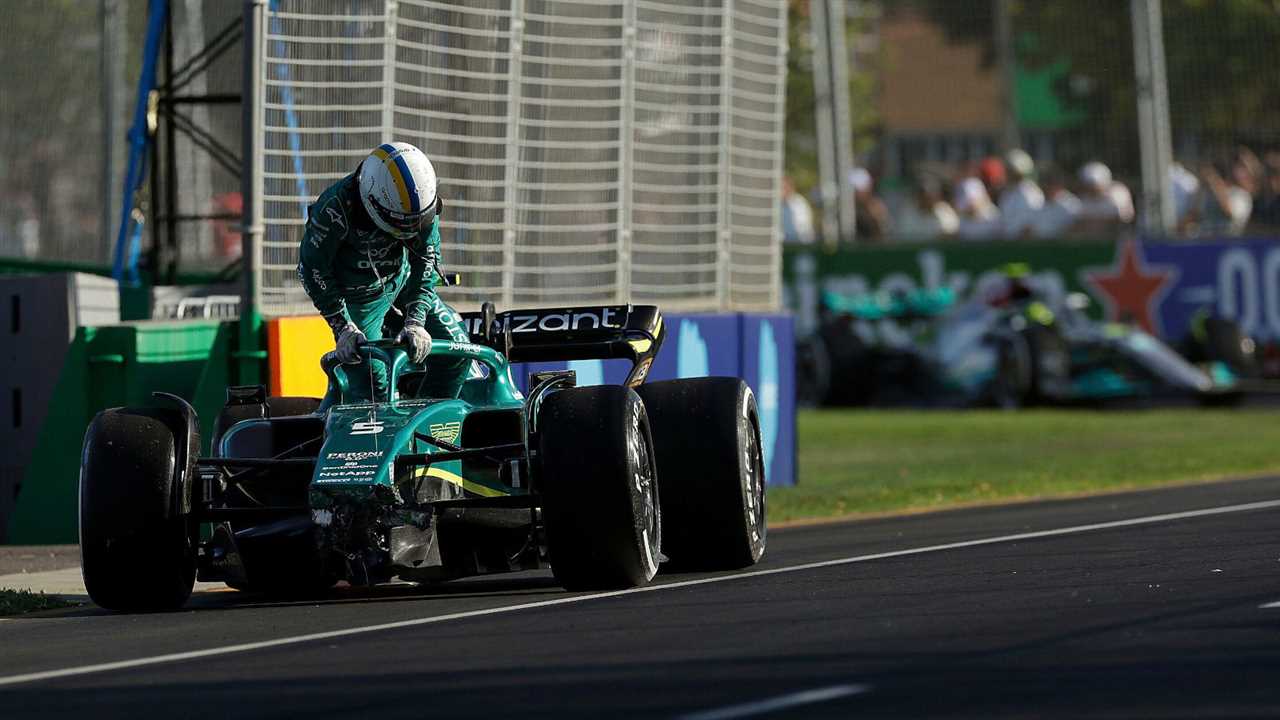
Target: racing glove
(416, 339)
(349, 339)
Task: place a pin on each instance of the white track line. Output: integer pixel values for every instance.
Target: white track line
(329, 635)
(807, 697)
(1269, 606)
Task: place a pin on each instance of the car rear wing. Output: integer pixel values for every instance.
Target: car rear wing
(596, 332)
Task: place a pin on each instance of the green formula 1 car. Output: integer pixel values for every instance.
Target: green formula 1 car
(601, 484)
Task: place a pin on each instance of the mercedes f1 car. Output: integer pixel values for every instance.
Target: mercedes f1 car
(1010, 348)
(601, 484)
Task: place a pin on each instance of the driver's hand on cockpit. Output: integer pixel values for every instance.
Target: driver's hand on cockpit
(416, 340)
(348, 341)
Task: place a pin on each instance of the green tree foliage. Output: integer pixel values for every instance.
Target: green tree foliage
(1221, 57)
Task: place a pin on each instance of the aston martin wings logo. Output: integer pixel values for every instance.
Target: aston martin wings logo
(446, 432)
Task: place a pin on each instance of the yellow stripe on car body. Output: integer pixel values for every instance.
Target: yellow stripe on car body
(465, 484)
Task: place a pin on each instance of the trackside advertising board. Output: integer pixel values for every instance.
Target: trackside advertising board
(1159, 285)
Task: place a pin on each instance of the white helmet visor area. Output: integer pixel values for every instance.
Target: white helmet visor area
(404, 225)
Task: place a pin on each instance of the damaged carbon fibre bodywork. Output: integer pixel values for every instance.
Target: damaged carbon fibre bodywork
(421, 489)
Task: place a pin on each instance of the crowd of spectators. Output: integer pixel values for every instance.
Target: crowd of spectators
(1013, 198)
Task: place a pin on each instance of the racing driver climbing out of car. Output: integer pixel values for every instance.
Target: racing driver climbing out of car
(372, 241)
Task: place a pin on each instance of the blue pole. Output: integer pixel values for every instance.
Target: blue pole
(138, 142)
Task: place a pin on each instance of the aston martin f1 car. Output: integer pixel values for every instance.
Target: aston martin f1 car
(1008, 348)
(601, 484)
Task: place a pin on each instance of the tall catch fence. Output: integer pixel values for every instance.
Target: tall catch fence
(589, 151)
(51, 132)
(67, 98)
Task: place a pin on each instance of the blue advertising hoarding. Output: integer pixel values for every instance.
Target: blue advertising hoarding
(1234, 278)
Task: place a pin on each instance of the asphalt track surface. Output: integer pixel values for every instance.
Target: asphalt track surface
(1096, 607)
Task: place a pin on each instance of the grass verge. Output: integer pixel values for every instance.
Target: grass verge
(875, 461)
(17, 602)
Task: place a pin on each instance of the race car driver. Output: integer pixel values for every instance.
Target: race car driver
(372, 241)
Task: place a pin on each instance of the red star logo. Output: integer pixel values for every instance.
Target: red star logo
(1130, 289)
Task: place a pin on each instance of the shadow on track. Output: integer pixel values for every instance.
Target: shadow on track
(530, 587)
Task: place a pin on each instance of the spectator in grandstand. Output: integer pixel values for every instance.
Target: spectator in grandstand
(372, 240)
(992, 174)
(1266, 209)
(228, 207)
(979, 217)
(1061, 208)
(1022, 199)
(928, 216)
(797, 215)
(871, 216)
(1184, 186)
(1225, 200)
(1106, 205)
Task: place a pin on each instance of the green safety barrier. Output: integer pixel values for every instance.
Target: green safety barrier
(109, 367)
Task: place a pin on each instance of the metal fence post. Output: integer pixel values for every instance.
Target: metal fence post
(626, 149)
(724, 235)
(251, 181)
(842, 125)
(512, 173)
(818, 38)
(251, 189)
(1154, 135)
(389, 72)
(1010, 133)
(780, 110)
(831, 92)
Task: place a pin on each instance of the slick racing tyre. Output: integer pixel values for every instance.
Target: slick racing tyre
(850, 366)
(137, 552)
(1227, 343)
(600, 492)
(710, 472)
(1050, 363)
(813, 372)
(1011, 386)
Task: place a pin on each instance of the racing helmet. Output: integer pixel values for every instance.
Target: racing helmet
(399, 189)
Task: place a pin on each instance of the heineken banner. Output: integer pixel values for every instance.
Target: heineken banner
(1157, 285)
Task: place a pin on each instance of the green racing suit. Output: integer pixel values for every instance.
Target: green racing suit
(354, 272)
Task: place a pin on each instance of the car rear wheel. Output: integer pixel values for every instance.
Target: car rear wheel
(706, 434)
(600, 492)
(813, 371)
(137, 550)
(1050, 363)
(1011, 385)
(1227, 343)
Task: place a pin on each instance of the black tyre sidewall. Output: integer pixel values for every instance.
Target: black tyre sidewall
(710, 472)
(137, 553)
(1012, 382)
(593, 511)
(1226, 344)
